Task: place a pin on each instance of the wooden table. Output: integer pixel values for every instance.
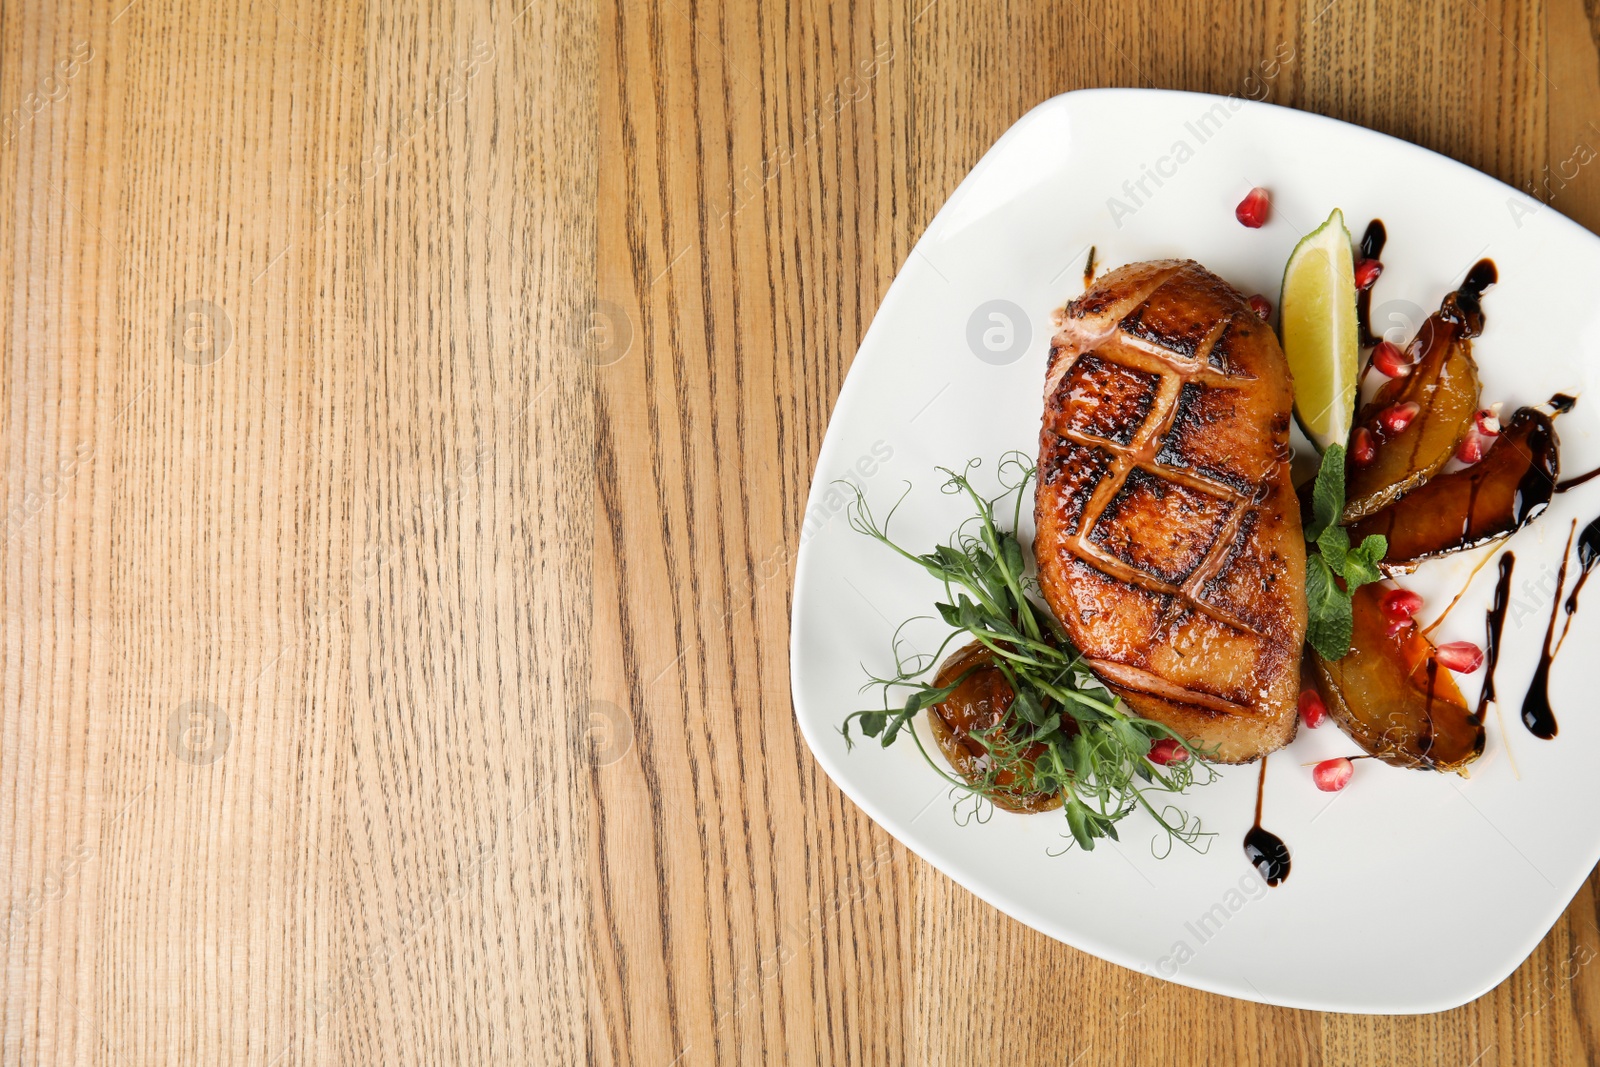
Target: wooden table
(408, 410)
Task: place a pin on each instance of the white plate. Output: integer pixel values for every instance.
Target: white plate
(1410, 891)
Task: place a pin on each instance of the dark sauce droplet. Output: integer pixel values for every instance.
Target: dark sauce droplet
(1588, 556)
(1264, 849)
(1373, 240)
(1482, 275)
(1465, 306)
(1372, 243)
(1268, 854)
(1537, 714)
(1494, 625)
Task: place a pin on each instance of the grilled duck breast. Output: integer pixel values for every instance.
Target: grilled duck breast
(1169, 540)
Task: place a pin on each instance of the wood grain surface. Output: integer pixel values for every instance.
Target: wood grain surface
(406, 420)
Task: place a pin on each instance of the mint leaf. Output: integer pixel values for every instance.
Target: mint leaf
(1329, 618)
(1334, 544)
(1361, 565)
(1327, 495)
(1356, 566)
(1335, 571)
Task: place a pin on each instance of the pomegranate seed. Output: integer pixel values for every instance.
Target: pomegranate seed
(1488, 421)
(1396, 417)
(1332, 775)
(1367, 272)
(1252, 210)
(1389, 360)
(1312, 709)
(1463, 657)
(1261, 306)
(1363, 450)
(1397, 627)
(1474, 445)
(1400, 604)
(1167, 751)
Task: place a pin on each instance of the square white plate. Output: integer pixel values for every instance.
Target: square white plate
(1410, 891)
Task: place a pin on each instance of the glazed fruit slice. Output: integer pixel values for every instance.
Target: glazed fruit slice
(1392, 696)
(1492, 499)
(1416, 422)
(972, 718)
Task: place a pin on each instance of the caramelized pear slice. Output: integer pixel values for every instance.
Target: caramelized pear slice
(978, 704)
(1392, 697)
(1492, 499)
(1443, 383)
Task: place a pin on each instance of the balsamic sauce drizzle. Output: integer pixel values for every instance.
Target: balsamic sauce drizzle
(1537, 715)
(1464, 306)
(1562, 402)
(1538, 485)
(1264, 849)
(1494, 624)
(1577, 480)
(1425, 742)
(1588, 555)
(1372, 243)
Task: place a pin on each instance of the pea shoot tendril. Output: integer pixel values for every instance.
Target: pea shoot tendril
(1064, 735)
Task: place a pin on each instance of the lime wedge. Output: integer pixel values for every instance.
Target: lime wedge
(1317, 314)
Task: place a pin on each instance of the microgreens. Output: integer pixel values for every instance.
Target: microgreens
(1064, 734)
(1329, 615)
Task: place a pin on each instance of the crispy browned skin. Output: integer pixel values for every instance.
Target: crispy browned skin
(1169, 540)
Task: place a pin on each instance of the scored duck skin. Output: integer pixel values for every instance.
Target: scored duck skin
(1169, 541)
